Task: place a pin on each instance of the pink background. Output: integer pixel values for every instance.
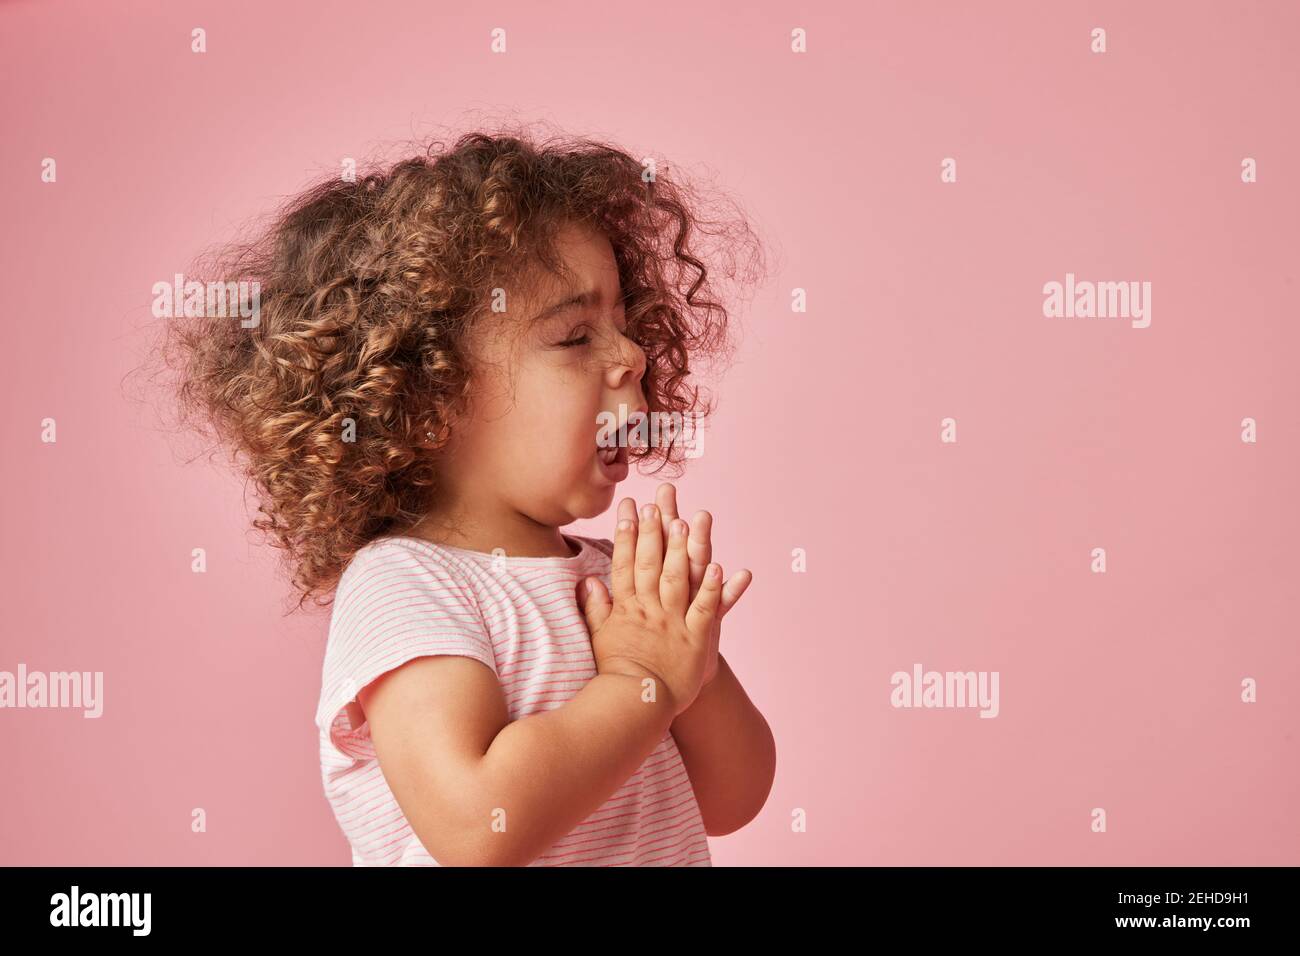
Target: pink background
(1119, 691)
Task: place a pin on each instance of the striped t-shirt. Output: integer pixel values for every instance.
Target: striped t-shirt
(401, 598)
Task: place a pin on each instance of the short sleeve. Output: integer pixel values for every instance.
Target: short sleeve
(393, 604)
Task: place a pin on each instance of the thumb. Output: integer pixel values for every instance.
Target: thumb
(596, 604)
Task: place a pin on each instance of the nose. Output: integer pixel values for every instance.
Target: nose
(628, 365)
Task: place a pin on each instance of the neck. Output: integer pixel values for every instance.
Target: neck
(512, 531)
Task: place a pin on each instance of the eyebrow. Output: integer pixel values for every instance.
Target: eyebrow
(587, 298)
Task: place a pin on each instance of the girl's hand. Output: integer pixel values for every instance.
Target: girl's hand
(651, 628)
(699, 549)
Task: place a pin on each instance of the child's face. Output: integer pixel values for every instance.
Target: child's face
(530, 445)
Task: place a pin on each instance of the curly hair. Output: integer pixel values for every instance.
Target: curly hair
(367, 289)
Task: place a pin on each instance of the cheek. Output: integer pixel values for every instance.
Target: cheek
(573, 427)
(545, 438)
(561, 412)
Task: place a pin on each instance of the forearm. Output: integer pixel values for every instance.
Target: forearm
(550, 771)
(729, 753)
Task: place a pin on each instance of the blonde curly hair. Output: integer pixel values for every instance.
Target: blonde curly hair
(368, 289)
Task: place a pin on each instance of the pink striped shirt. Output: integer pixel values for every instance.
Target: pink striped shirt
(402, 598)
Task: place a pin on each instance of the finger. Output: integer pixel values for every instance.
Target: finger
(733, 589)
(621, 572)
(627, 509)
(649, 554)
(596, 604)
(675, 581)
(666, 499)
(704, 609)
(700, 546)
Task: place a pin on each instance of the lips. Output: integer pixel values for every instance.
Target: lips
(618, 451)
(613, 460)
(610, 456)
(613, 468)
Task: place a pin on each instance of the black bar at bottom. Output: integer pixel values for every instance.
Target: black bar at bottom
(240, 904)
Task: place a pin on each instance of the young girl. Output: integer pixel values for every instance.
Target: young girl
(419, 401)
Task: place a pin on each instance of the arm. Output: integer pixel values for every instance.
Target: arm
(459, 768)
(729, 753)
(724, 741)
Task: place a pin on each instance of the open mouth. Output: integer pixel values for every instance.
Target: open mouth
(610, 456)
(617, 453)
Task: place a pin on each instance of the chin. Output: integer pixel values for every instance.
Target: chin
(594, 503)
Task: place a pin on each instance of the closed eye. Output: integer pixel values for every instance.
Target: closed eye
(574, 342)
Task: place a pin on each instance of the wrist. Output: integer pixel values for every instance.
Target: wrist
(717, 672)
(708, 691)
(647, 682)
(651, 696)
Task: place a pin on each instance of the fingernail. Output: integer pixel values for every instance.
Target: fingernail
(715, 572)
(677, 528)
(624, 524)
(648, 512)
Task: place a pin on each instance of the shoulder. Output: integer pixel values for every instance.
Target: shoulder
(403, 552)
(397, 600)
(403, 570)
